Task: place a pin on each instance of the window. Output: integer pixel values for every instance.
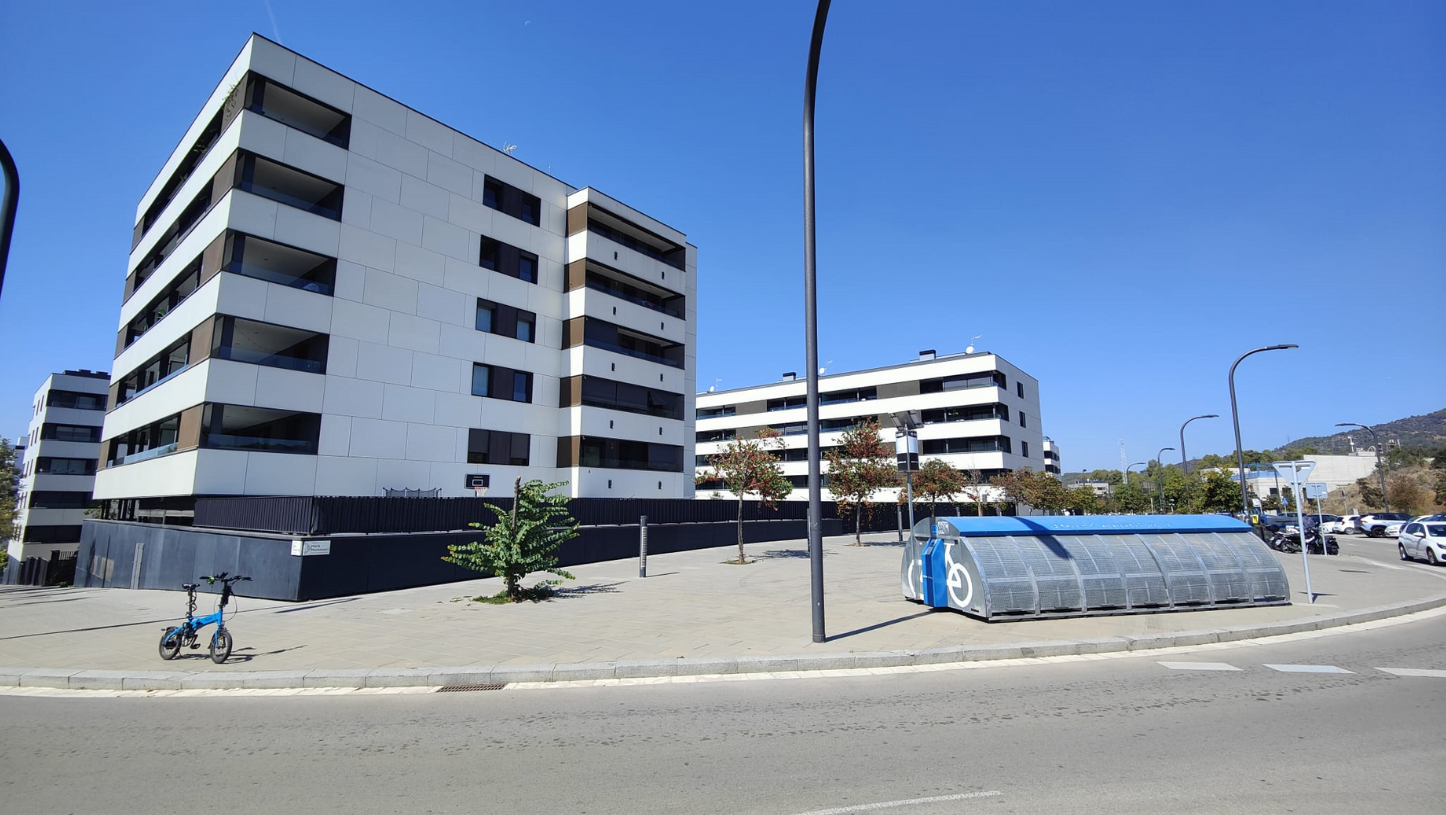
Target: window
(969, 413)
(156, 370)
(70, 432)
(498, 447)
(851, 395)
(496, 382)
(624, 286)
(630, 455)
(510, 200)
(973, 444)
(274, 346)
(709, 413)
(1019, 388)
(1024, 449)
(65, 466)
(787, 403)
(55, 499)
(605, 393)
(489, 255)
(287, 185)
(987, 379)
(141, 443)
(495, 318)
(76, 400)
(527, 267)
(278, 263)
(716, 435)
(238, 427)
(609, 337)
(1021, 422)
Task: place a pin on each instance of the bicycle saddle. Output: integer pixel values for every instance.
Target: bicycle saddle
(190, 585)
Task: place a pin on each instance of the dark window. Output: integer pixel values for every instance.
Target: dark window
(605, 393)
(237, 427)
(172, 238)
(615, 338)
(622, 454)
(1019, 386)
(156, 370)
(295, 110)
(164, 303)
(498, 447)
(198, 151)
(76, 400)
(495, 318)
(708, 413)
(141, 443)
(70, 432)
(851, 395)
(788, 403)
(626, 287)
(510, 200)
(497, 382)
(527, 267)
(55, 499)
(1024, 448)
(973, 444)
(987, 379)
(65, 466)
(716, 435)
(1021, 422)
(607, 225)
(966, 413)
(489, 256)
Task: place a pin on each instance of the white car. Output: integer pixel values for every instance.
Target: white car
(1345, 526)
(1393, 529)
(1424, 539)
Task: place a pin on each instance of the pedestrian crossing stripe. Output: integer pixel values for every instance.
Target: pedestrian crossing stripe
(1309, 669)
(1415, 672)
(1199, 666)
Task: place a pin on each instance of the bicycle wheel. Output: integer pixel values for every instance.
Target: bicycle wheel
(220, 646)
(170, 643)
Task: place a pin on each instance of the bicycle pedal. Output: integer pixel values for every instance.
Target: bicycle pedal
(195, 645)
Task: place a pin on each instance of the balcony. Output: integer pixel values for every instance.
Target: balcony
(235, 427)
(274, 346)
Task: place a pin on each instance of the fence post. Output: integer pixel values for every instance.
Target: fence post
(643, 546)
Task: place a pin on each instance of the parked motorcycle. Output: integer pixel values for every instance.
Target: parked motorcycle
(1282, 541)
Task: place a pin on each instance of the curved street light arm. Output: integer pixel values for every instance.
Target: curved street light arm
(1235, 417)
(1379, 467)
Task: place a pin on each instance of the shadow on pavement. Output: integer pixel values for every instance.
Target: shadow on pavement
(567, 593)
(885, 624)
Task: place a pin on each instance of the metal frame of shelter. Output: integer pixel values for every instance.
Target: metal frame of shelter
(1009, 568)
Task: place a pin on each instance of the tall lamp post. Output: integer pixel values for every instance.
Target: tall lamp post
(1160, 482)
(1127, 472)
(810, 327)
(1185, 462)
(1380, 469)
(1235, 417)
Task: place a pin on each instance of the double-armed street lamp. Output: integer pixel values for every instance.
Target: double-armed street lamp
(1379, 468)
(1235, 417)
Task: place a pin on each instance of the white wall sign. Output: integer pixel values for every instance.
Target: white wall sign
(304, 548)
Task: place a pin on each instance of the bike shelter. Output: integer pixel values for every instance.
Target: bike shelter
(1002, 568)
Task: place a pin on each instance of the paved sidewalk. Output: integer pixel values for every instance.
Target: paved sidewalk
(694, 614)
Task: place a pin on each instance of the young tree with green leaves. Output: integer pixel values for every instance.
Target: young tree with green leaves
(936, 481)
(9, 489)
(522, 541)
(750, 467)
(1218, 493)
(1082, 500)
(861, 465)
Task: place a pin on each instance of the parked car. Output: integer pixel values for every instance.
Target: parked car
(1347, 524)
(1424, 539)
(1393, 530)
(1374, 524)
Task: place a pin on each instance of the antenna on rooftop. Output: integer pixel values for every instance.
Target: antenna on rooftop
(715, 384)
(508, 147)
(970, 348)
(826, 364)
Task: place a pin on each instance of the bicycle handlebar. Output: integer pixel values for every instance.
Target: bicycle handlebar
(222, 578)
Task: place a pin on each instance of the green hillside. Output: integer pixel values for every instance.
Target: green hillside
(1428, 431)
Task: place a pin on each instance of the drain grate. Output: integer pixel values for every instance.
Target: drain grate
(462, 688)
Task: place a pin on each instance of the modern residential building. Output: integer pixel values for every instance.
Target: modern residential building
(1051, 456)
(977, 413)
(330, 293)
(57, 473)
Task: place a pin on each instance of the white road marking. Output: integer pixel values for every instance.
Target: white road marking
(1308, 669)
(1199, 666)
(910, 802)
(1432, 672)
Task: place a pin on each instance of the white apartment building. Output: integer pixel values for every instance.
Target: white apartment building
(330, 293)
(57, 472)
(1051, 456)
(978, 412)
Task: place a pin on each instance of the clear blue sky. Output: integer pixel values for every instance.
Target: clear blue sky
(1119, 197)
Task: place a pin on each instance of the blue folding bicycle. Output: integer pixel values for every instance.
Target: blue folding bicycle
(188, 633)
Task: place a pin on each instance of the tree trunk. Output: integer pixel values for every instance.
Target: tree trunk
(858, 522)
(514, 592)
(741, 559)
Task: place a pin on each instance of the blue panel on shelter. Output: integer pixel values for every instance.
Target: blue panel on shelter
(970, 526)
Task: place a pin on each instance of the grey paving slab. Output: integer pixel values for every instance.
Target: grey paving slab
(694, 615)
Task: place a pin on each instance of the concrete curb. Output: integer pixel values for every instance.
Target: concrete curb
(78, 679)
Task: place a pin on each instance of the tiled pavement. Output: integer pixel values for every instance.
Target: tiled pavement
(692, 606)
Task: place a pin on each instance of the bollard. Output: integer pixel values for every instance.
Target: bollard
(643, 546)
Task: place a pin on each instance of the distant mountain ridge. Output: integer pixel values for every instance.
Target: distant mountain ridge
(1428, 431)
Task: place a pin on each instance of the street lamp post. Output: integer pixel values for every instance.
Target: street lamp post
(1127, 472)
(1185, 462)
(810, 323)
(1235, 417)
(1379, 468)
(1160, 482)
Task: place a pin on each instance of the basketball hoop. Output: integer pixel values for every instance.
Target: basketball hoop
(478, 492)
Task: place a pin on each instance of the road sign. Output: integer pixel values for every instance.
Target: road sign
(1316, 490)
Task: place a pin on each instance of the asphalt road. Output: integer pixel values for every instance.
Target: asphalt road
(1116, 735)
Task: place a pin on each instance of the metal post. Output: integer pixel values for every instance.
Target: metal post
(1160, 482)
(1235, 417)
(1185, 462)
(909, 485)
(1379, 467)
(7, 206)
(643, 546)
(810, 321)
(899, 518)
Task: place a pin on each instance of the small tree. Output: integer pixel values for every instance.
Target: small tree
(937, 481)
(749, 467)
(858, 467)
(522, 541)
(974, 487)
(1082, 500)
(1219, 493)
